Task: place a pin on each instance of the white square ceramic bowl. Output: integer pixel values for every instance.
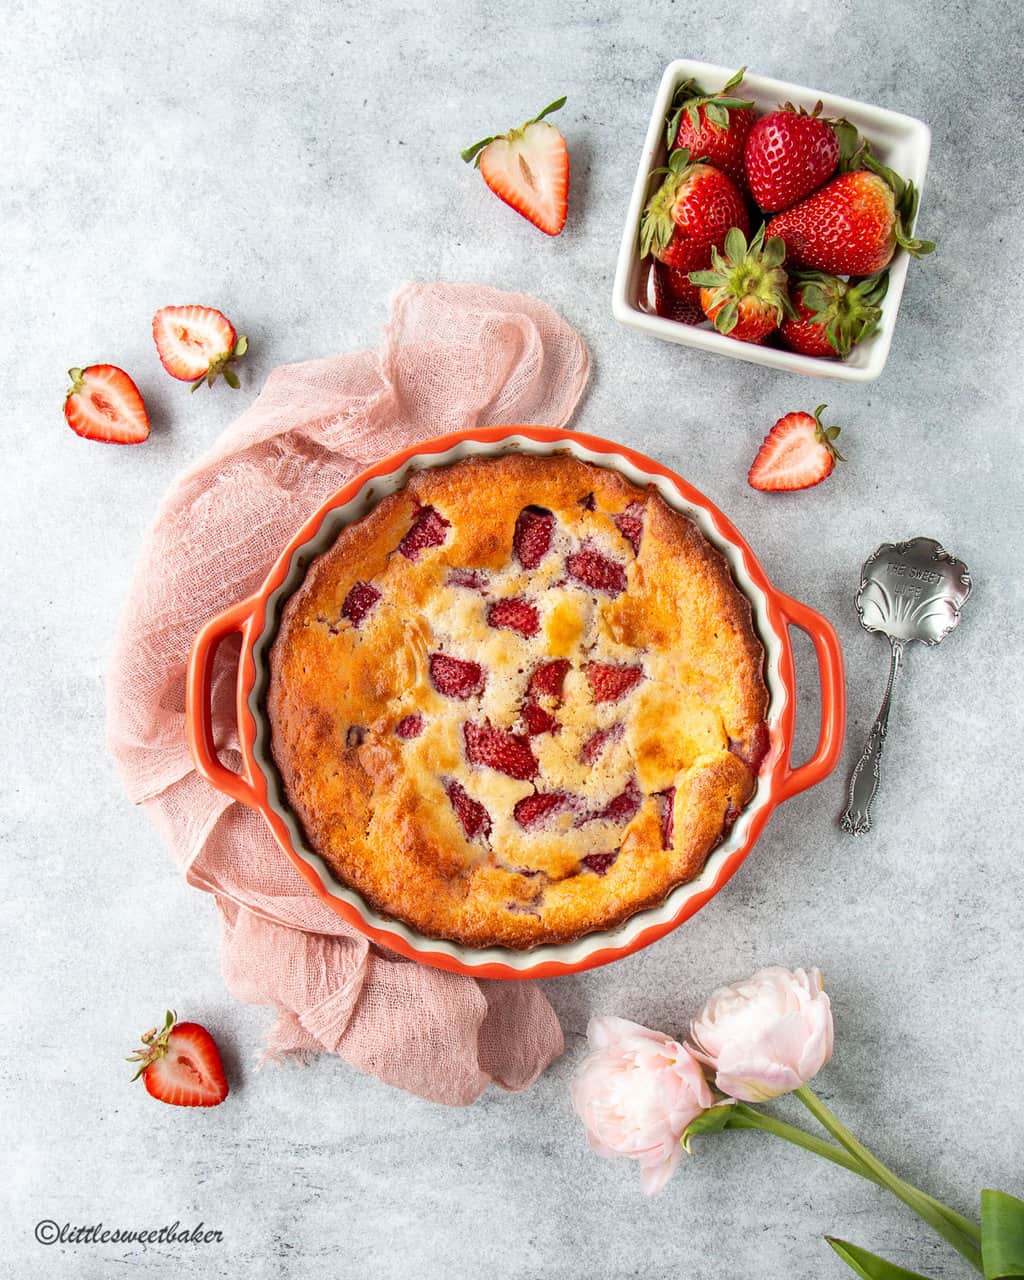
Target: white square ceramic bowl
(899, 141)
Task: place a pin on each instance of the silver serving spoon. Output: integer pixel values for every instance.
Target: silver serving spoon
(909, 591)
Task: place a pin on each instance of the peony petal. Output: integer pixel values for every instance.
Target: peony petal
(757, 1081)
(604, 1031)
(654, 1177)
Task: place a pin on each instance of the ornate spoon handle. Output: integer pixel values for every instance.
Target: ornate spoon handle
(864, 783)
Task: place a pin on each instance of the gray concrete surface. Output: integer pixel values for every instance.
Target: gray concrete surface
(292, 163)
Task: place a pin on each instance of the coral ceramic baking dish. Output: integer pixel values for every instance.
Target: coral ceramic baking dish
(259, 786)
(899, 141)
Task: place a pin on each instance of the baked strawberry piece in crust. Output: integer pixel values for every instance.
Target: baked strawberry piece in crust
(518, 702)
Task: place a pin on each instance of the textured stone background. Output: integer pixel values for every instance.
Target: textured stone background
(292, 163)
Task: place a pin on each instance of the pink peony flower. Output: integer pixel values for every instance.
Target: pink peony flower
(635, 1094)
(765, 1036)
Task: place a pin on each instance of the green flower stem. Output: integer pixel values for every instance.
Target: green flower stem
(959, 1232)
(744, 1117)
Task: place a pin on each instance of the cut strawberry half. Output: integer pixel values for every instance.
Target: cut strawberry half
(622, 808)
(598, 862)
(516, 614)
(539, 810)
(455, 677)
(499, 749)
(531, 538)
(797, 453)
(180, 1064)
(410, 726)
(630, 523)
(198, 344)
(427, 530)
(359, 601)
(549, 678)
(528, 168)
(475, 819)
(595, 745)
(667, 805)
(537, 720)
(610, 681)
(104, 404)
(595, 570)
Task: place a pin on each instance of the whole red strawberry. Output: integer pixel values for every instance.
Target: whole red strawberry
(674, 296)
(852, 226)
(713, 127)
(690, 214)
(788, 155)
(744, 293)
(832, 315)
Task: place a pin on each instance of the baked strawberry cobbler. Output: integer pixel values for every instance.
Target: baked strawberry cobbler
(519, 701)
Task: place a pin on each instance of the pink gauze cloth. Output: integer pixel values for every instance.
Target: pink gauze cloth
(454, 356)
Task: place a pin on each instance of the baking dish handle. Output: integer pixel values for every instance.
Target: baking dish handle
(833, 698)
(198, 714)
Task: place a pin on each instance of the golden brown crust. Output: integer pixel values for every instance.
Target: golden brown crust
(643, 757)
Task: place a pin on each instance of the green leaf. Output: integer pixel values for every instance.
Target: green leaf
(869, 1266)
(672, 129)
(473, 152)
(1002, 1235)
(726, 318)
(774, 252)
(735, 245)
(717, 114)
(557, 105)
(714, 1120)
(242, 345)
(694, 115)
(231, 378)
(733, 81)
(706, 279)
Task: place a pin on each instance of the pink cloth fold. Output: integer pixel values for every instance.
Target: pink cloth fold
(454, 356)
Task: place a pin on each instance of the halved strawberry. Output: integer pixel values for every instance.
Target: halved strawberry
(538, 810)
(180, 1064)
(359, 601)
(532, 536)
(456, 677)
(197, 344)
(611, 681)
(427, 530)
(537, 720)
(599, 862)
(595, 570)
(549, 678)
(797, 453)
(528, 168)
(499, 749)
(104, 404)
(514, 614)
(410, 726)
(630, 523)
(593, 748)
(471, 813)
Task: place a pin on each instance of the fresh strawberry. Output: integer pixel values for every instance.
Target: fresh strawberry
(104, 404)
(531, 538)
(630, 523)
(745, 293)
(594, 747)
(598, 862)
(609, 682)
(788, 155)
(674, 297)
(471, 813)
(712, 126)
(499, 749)
(852, 226)
(528, 168)
(690, 214)
(832, 315)
(597, 571)
(549, 678)
(454, 677)
(197, 344)
(410, 726)
(180, 1064)
(538, 810)
(359, 601)
(427, 530)
(516, 614)
(797, 453)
